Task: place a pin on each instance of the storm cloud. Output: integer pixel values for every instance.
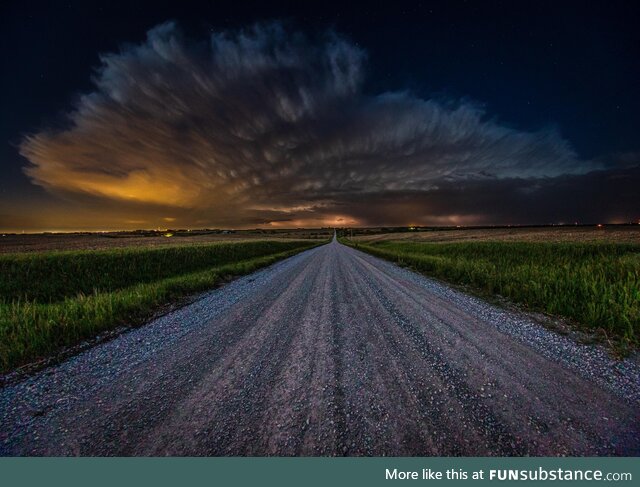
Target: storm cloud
(266, 125)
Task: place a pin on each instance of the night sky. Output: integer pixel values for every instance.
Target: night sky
(125, 115)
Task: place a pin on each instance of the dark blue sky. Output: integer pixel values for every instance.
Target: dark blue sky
(567, 66)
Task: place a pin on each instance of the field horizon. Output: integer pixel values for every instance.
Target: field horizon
(45, 241)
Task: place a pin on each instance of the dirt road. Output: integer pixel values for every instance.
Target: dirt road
(331, 352)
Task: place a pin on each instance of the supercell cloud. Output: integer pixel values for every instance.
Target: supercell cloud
(269, 126)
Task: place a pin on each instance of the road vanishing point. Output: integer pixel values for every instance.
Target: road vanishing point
(331, 352)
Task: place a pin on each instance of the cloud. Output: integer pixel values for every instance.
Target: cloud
(266, 124)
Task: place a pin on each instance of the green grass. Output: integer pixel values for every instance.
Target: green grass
(54, 276)
(595, 285)
(53, 300)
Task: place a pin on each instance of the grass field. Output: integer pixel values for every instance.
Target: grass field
(565, 233)
(53, 300)
(43, 242)
(595, 285)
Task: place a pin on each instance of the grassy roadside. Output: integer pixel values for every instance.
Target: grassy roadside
(594, 285)
(55, 300)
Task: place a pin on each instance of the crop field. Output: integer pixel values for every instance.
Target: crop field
(52, 300)
(11, 243)
(594, 285)
(605, 233)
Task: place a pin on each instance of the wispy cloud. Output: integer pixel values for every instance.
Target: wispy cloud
(266, 124)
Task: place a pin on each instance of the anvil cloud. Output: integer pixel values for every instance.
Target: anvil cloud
(269, 126)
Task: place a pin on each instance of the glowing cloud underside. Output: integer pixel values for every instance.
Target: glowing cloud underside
(266, 125)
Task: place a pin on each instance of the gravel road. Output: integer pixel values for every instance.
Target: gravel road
(330, 352)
